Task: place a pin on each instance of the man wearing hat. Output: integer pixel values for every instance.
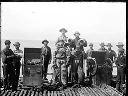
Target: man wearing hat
(80, 44)
(63, 36)
(17, 63)
(45, 57)
(111, 54)
(89, 52)
(60, 59)
(8, 68)
(120, 46)
(79, 41)
(121, 67)
(102, 47)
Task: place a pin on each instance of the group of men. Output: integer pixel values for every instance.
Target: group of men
(11, 65)
(69, 56)
(68, 59)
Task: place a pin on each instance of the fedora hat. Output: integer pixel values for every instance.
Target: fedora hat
(76, 33)
(63, 29)
(45, 41)
(7, 42)
(16, 44)
(120, 44)
(109, 44)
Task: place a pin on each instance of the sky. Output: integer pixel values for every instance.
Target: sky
(97, 22)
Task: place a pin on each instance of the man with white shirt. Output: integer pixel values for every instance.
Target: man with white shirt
(17, 63)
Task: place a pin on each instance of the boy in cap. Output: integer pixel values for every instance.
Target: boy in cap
(19, 54)
(8, 68)
(121, 67)
(45, 57)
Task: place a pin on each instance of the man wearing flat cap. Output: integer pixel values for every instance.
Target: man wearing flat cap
(19, 54)
(121, 67)
(8, 68)
(45, 57)
(111, 54)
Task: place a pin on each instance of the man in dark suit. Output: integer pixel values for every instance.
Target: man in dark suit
(121, 67)
(111, 54)
(45, 57)
(8, 68)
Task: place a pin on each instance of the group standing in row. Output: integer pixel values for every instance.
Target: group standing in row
(68, 59)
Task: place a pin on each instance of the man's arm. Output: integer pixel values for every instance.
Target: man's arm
(50, 53)
(3, 56)
(85, 43)
(115, 56)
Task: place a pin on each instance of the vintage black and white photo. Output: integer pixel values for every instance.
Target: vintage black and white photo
(63, 49)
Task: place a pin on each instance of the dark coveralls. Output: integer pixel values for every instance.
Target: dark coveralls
(8, 68)
(17, 65)
(89, 52)
(121, 71)
(110, 54)
(77, 66)
(79, 55)
(45, 57)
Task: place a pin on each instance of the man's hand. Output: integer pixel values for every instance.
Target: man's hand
(11, 56)
(49, 62)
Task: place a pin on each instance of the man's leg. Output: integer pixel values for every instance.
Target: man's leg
(5, 74)
(45, 68)
(118, 80)
(17, 73)
(12, 77)
(122, 73)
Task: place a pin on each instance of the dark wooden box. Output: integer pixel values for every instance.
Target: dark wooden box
(32, 72)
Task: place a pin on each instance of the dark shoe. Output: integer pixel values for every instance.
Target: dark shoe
(14, 89)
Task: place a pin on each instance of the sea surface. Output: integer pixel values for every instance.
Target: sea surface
(38, 44)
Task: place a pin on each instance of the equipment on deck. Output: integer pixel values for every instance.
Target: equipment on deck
(32, 67)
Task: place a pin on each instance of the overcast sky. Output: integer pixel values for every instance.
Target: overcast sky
(96, 22)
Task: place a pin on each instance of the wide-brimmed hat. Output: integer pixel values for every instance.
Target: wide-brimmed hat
(45, 41)
(7, 42)
(109, 44)
(90, 44)
(120, 44)
(63, 29)
(77, 33)
(102, 44)
(16, 44)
